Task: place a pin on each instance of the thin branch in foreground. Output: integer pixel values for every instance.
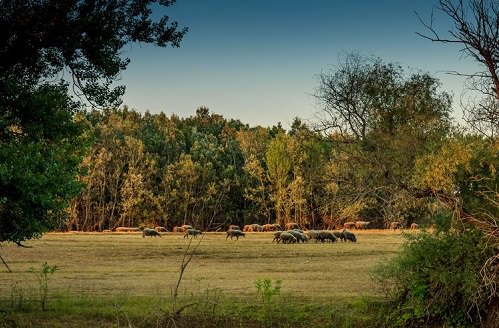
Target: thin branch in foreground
(186, 259)
(5, 263)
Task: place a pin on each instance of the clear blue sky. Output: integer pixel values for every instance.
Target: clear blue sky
(257, 60)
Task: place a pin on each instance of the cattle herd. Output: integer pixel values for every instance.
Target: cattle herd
(290, 233)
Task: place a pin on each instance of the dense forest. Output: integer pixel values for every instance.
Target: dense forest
(400, 159)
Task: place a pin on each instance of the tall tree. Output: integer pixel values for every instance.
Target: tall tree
(42, 41)
(381, 121)
(280, 161)
(253, 144)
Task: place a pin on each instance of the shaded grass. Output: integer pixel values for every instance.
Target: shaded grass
(106, 276)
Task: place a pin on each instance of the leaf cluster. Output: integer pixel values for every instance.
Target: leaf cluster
(435, 277)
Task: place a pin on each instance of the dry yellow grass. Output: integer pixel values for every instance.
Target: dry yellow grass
(114, 264)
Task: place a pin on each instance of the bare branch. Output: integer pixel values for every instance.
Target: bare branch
(5, 263)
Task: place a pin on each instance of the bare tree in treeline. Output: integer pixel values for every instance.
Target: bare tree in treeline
(476, 29)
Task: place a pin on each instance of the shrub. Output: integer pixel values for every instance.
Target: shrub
(435, 277)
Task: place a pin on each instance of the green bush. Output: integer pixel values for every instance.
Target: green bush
(434, 279)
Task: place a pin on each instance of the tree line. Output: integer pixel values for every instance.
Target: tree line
(385, 149)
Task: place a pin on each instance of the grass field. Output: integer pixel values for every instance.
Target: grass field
(114, 268)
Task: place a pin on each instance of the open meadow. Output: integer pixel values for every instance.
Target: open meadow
(124, 267)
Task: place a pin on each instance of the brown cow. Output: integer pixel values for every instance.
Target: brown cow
(395, 225)
(186, 227)
(269, 227)
(414, 226)
(360, 225)
(234, 227)
(349, 225)
(291, 226)
(177, 229)
(255, 228)
(160, 229)
(128, 229)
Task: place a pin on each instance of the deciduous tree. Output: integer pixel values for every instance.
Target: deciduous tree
(40, 139)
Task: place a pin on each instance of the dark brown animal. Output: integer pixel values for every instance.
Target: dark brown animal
(339, 235)
(349, 236)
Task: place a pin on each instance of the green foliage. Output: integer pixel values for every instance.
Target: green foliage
(43, 275)
(267, 292)
(442, 221)
(380, 121)
(42, 138)
(17, 298)
(435, 277)
(39, 157)
(42, 38)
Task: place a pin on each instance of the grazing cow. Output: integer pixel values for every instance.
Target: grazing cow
(255, 228)
(234, 227)
(160, 229)
(177, 229)
(349, 225)
(291, 226)
(186, 227)
(269, 227)
(128, 229)
(360, 225)
(395, 225)
(234, 233)
(247, 228)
